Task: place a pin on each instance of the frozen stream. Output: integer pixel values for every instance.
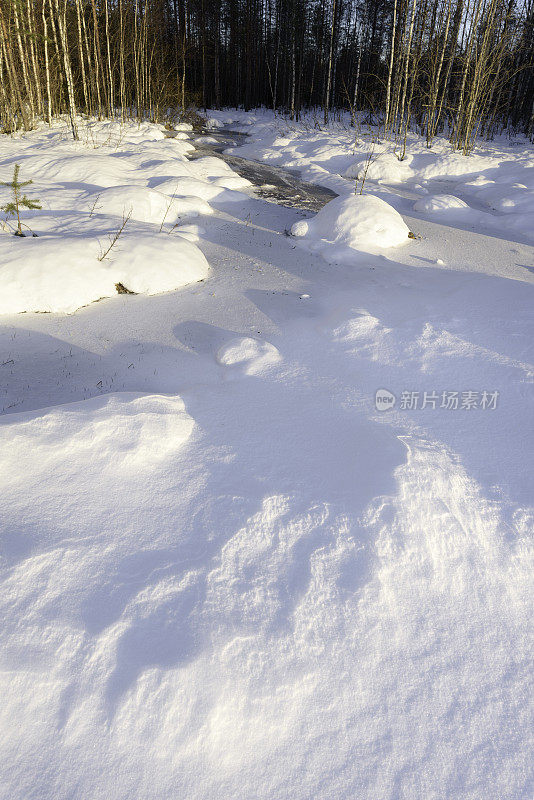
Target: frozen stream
(272, 183)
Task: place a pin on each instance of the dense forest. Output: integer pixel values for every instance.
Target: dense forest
(460, 66)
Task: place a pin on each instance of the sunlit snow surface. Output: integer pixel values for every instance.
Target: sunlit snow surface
(112, 209)
(225, 573)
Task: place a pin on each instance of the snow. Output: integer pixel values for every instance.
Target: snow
(206, 140)
(212, 168)
(251, 355)
(359, 222)
(441, 204)
(496, 177)
(203, 189)
(115, 174)
(44, 275)
(224, 571)
(444, 207)
(190, 232)
(148, 205)
(384, 167)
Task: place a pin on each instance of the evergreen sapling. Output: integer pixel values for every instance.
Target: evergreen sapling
(19, 201)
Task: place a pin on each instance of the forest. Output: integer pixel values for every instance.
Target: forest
(460, 66)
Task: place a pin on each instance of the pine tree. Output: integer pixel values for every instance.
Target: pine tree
(19, 201)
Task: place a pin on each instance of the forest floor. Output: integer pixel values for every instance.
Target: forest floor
(227, 571)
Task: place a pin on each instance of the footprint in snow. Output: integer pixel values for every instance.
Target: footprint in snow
(249, 356)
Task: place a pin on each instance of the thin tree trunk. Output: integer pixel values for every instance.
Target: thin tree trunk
(23, 62)
(86, 96)
(48, 113)
(390, 70)
(66, 65)
(111, 109)
(13, 77)
(407, 63)
(36, 75)
(330, 61)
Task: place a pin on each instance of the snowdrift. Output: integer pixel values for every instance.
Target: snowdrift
(63, 274)
(116, 174)
(148, 205)
(225, 572)
(356, 222)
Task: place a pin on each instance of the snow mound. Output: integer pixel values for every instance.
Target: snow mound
(206, 140)
(190, 232)
(101, 169)
(116, 434)
(161, 169)
(181, 147)
(252, 355)
(53, 275)
(385, 167)
(175, 263)
(197, 187)
(358, 222)
(148, 205)
(100, 133)
(507, 197)
(455, 164)
(62, 274)
(194, 187)
(210, 167)
(234, 182)
(440, 203)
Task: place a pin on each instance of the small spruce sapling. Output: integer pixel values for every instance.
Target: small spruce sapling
(19, 201)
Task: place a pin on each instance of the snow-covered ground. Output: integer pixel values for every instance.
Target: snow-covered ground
(123, 183)
(227, 570)
(491, 191)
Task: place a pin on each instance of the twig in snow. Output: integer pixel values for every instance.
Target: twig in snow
(115, 238)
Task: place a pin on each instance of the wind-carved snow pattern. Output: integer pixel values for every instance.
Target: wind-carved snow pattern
(226, 572)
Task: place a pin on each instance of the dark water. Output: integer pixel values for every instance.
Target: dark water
(272, 183)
